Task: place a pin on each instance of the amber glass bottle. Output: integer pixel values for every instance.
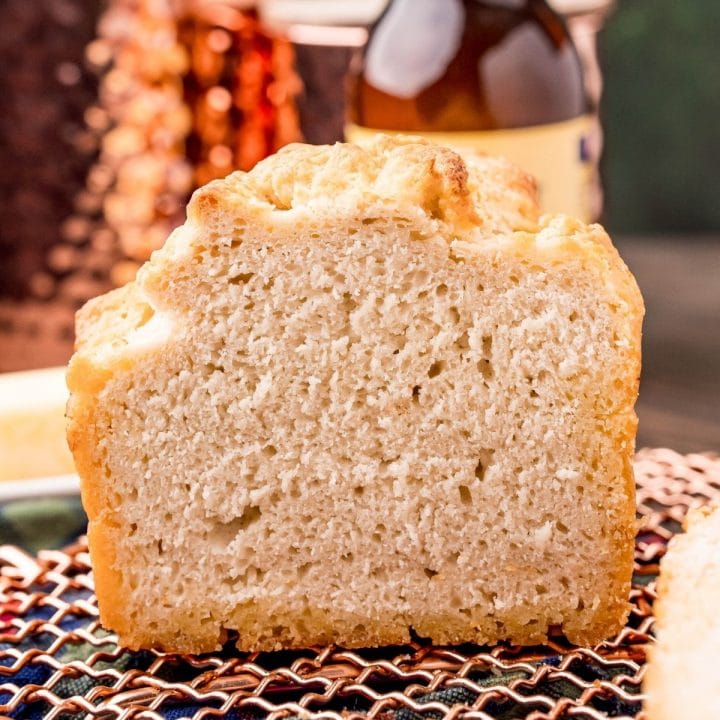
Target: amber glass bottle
(498, 75)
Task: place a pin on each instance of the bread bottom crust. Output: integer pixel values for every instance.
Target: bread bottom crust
(321, 628)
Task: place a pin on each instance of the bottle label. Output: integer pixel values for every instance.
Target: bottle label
(558, 155)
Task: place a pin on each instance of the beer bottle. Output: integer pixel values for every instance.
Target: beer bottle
(500, 76)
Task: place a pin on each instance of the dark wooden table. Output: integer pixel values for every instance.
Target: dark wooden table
(679, 405)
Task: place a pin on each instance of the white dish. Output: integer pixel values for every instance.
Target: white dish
(58, 486)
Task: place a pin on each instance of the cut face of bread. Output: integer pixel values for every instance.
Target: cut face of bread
(681, 682)
(362, 390)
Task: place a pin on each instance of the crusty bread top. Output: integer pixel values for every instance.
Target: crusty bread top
(467, 193)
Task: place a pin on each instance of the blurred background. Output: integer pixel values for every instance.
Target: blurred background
(112, 112)
(661, 61)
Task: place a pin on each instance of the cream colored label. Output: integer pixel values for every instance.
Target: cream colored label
(555, 154)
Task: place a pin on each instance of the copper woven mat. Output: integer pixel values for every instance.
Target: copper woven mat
(56, 662)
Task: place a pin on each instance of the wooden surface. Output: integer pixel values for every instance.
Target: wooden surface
(679, 405)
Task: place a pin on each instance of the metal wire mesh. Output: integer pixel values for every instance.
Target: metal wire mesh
(56, 661)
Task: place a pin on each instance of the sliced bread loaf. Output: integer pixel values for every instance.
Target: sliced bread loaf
(682, 681)
(362, 390)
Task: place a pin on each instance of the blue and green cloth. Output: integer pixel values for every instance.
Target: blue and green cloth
(46, 523)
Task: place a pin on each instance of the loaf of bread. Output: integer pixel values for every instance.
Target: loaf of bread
(362, 392)
(682, 679)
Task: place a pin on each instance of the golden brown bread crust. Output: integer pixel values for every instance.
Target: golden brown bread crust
(473, 200)
(402, 171)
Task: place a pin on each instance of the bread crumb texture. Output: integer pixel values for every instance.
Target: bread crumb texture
(362, 392)
(682, 680)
